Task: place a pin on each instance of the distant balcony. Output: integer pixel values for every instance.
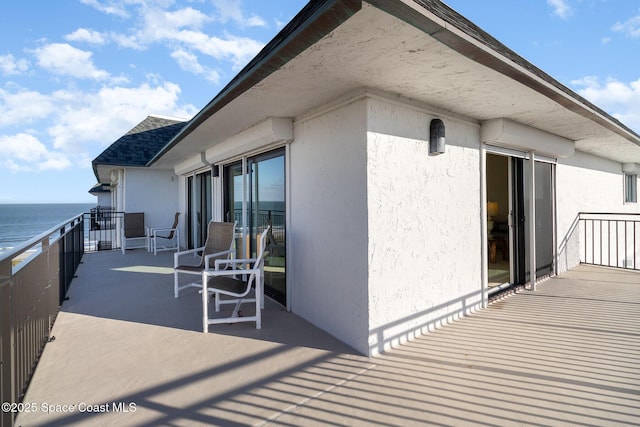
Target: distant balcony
(127, 353)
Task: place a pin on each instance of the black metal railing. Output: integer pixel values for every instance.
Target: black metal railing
(275, 218)
(34, 280)
(102, 227)
(610, 239)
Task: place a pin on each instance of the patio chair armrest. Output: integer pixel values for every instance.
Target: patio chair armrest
(234, 262)
(154, 231)
(218, 273)
(213, 255)
(179, 254)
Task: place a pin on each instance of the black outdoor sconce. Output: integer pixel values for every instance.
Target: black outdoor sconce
(436, 137)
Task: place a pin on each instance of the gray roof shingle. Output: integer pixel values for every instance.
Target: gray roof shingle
(140, 144)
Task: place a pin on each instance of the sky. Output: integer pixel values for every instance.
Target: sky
(75, 75)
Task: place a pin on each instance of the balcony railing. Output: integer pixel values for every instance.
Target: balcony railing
(34, 280)
(610, 240)
(102, 229)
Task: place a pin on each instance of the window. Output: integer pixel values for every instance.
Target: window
(630, 188)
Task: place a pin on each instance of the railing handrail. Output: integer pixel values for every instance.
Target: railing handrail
(27, 245)
(610, 239)
(632, 214)
(32, 289)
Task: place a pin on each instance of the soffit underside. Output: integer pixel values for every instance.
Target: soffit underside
(375, 49)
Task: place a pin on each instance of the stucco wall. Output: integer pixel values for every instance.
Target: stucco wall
(328, 213)
(154, 192)
(424, 249)
(585, 183)
(104, 200)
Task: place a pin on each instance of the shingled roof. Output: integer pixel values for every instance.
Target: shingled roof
(140, 144)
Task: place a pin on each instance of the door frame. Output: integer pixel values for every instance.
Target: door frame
(246, 162)
(517, 245)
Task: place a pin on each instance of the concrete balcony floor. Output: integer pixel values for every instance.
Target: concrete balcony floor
(567, 354)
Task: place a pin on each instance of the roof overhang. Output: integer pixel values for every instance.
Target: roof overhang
(100, 188)
(417, 50)
(103, 172)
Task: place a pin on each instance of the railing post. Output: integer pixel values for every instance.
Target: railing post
(625, 223)
(7, 342)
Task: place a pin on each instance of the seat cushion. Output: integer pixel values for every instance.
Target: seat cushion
(227, 284)
(190, 268)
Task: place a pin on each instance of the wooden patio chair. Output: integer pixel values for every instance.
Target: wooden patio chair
(218, 246)
(134, 234)
(169, 238)
(230, 278)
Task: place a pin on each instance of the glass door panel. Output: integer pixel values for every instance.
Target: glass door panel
(267, 207)
(498, 209)
(200, 209)
(233, 202)
(544, 219)
(256, 199)
(544, 237)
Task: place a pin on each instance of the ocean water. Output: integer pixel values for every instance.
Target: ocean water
(21, 222)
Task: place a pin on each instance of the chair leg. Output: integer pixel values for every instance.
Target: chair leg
(261, 281)
(236, 309)
(175, 284)
(259, 304)
(205, 309)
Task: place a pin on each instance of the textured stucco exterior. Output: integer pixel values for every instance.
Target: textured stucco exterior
(400, 229)
(328, 214)
(424, 248)
(154, 192)
(386, 239)
(590, 184)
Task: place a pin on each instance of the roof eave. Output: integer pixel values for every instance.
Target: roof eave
(312, 23)
(463, 36)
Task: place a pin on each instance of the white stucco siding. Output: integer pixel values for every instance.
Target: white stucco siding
(585, 183)
(104, 200)
(154, 192)
(328, 213)
(424, 248)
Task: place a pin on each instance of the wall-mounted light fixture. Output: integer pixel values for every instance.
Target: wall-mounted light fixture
(436, 137)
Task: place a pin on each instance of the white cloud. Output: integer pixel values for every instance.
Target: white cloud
(102, 117)
(64, 59)
(24, 106)
(621, 100)
(631, 27)
(189, 62)
(11, 66)
(238, 50)
(161, 25)
(108, 7)
(24, 152)
(86, 36)
(232, 9)
(180, 30)
(75, 122)
(560, 8)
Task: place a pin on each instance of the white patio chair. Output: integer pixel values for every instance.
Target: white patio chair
(218, 246)
(165, 239)
(236, 282)
(134, 234)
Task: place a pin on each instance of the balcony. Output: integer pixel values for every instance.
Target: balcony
(127, 353)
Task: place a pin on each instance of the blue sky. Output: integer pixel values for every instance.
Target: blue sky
(75, 75)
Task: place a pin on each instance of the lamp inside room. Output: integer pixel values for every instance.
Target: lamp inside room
(492, 211)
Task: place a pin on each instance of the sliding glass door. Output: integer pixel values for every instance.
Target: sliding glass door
(254, 196)
(200, 208)
(508, 203)
(544, 219)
